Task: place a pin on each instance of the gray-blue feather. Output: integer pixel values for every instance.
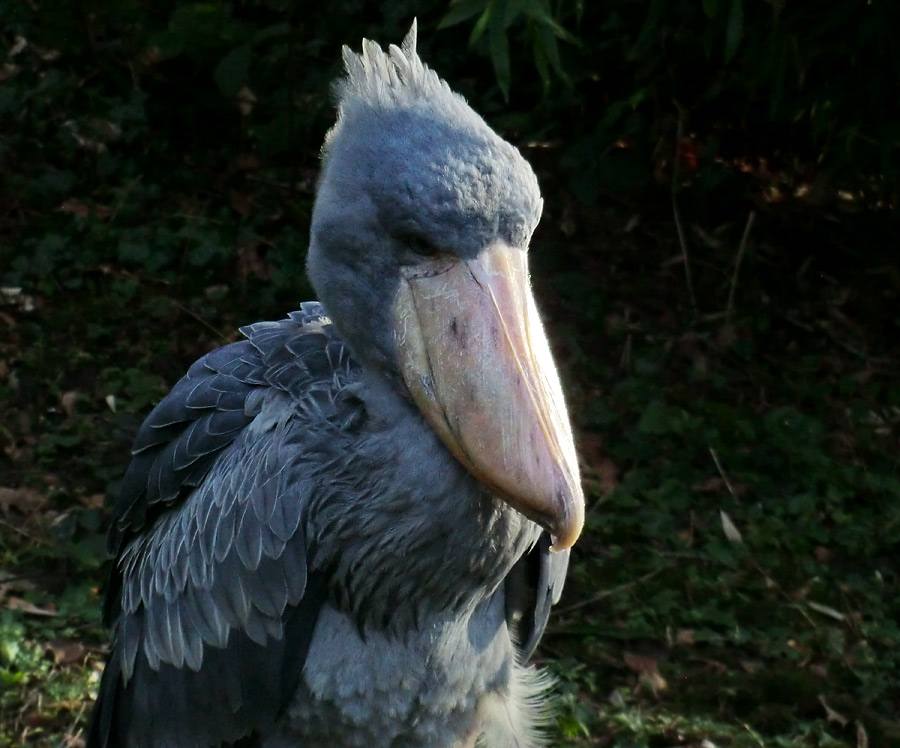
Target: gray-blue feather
(210, 582)
(300, 559)
(211, 564)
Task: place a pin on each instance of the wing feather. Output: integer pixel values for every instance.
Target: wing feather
(248, 543)
(211, 601)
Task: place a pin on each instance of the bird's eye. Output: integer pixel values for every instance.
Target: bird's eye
(419, 245)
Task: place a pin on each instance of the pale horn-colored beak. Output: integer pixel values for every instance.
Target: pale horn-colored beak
(477, 362)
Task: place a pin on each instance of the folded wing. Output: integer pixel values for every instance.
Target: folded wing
(211, 601)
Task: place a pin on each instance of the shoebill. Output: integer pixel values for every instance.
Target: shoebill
(348, 528)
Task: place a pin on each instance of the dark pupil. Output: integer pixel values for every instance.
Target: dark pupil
(421, 246)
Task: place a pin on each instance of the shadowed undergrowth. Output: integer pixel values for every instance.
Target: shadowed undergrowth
(737, 581)
(733, 382)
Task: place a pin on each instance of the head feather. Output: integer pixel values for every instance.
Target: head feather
(396, 77)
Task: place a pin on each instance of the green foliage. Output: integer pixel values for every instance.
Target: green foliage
(139, 135)
(166, 137)
(786, 91)
(158, 163)
(737, 582)
(495, 19)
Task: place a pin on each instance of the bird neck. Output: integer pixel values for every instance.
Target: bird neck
(405, 533)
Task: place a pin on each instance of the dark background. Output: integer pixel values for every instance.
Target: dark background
(718, 265)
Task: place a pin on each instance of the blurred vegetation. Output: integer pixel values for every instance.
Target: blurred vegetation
(718, 261)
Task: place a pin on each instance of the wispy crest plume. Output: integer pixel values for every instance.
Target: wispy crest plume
(379, 78)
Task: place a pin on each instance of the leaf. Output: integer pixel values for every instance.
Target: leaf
(269, 32)
(539, 12)
(18, 603)
(461, 10)
(9, 653)
(133, 252)
(735, 29)
(68, 401)
(540, 62)
(551, 49)
(862, 737)
(65, 651)
(512, 9)
(728, 527)
(24, 500)
(833, 715)
(480, 25)
(163, 46)
(640, 664)
(231, 72)
(94, 501)
(710, 7)
(499, 46)
(76, 207)
(648, 671)
(659, 418)
(826, 610)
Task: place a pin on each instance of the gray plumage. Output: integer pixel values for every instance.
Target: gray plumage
(300, 559)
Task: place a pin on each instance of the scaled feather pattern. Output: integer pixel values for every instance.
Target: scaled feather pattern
(301, 560)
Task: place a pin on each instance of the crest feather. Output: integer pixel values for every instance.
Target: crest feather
(395, 77)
